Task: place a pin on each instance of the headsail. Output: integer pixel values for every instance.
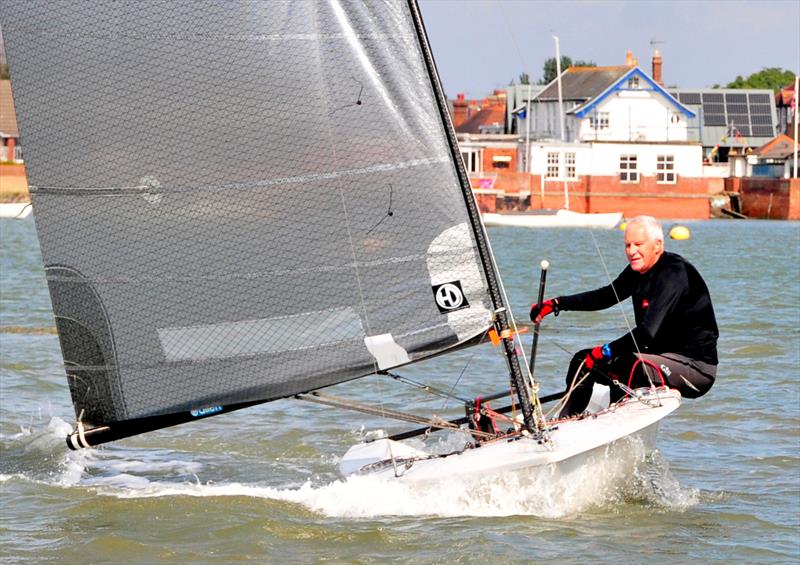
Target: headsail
(240, 202)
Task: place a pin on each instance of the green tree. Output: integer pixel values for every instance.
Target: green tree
(769, 77)
(524, 78)
(549, 70)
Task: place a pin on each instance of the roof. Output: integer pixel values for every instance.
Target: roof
(724, 112)
(779, 148)
(583, 83)
(8, 118)
(622, 83)
(592, 85)
(488, 116)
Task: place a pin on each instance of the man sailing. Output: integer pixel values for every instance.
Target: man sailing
(674, 341)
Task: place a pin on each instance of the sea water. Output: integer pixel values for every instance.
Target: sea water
(262, 484)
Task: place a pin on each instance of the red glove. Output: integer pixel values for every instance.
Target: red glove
(601, 352)
(539, 311)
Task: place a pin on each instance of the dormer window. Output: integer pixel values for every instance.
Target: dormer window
(633, 83)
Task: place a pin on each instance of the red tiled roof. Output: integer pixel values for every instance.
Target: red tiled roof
(778, 148)
(485, 117)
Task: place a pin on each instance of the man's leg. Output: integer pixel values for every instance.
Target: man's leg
(692, 378)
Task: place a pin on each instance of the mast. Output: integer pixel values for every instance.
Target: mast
(561, 121)
(518, 380)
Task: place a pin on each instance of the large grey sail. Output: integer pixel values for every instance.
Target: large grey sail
(238, 201)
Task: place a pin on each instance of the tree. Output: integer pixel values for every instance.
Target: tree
(769, 77)
(524, 78)
(550, 71)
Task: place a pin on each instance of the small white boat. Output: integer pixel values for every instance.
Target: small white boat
(571, 443)
(547, 219)
(18, 210)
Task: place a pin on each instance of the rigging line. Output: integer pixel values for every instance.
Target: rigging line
(619, 302)
(434, 422)
(513, 37)
(464, 370)
(422, 386)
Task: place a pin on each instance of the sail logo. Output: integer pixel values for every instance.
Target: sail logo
(449, 297)
(198, 412)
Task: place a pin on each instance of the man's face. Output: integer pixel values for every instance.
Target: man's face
(642, 250)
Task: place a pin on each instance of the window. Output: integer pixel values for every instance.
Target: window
(552, 165)
(472, 160)
(665, 169)
(599, 120)
(627, 168)
(569, 165)
(633, 83)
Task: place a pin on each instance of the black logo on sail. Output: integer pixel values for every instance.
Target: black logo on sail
(449, 297)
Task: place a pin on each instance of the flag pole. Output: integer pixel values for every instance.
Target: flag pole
(796, 108)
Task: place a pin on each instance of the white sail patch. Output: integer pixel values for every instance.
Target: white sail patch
(259, 336)
(386, 351)
(452, 258)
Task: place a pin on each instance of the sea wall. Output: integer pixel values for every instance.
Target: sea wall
(769, 198)
(13, 183)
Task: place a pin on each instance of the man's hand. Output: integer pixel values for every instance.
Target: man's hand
(599, 353)
(539, 311)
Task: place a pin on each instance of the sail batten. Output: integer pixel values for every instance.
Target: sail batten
(237, 203)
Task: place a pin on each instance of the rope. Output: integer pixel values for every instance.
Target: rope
(381, 412)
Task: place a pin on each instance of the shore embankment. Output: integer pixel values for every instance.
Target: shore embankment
(13, 183)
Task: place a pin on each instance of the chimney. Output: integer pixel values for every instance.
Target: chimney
(657, 67)
(628, 58)
(459, 110)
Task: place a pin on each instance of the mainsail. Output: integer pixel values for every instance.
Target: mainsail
(238, 202)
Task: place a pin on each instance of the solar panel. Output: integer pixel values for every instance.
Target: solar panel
(739, 119)
(759, 98)
(737, 98)
(765, 109)
(737, 108)
(689, 98)
(763, 131)
(713, 108)
(744, 130)
(712, 97)
(757, 119)
(713, 119)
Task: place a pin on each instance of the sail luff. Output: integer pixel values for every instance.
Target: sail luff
(518, 380)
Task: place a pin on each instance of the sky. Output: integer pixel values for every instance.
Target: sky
(481, 45)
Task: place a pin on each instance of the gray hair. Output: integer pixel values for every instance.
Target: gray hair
(652, 226)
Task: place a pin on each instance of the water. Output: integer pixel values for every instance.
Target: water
(262, 484)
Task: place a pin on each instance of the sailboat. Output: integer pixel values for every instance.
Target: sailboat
(243, 202)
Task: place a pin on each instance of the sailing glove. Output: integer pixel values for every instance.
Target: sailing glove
(599, 353)
(539, 311)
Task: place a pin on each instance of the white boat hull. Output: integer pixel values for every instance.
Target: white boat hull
(571, 443)
(561, 219)
(18, 210)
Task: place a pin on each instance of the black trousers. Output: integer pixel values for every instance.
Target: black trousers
(691, 377)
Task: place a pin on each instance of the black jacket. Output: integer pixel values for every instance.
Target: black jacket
(672, 307)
